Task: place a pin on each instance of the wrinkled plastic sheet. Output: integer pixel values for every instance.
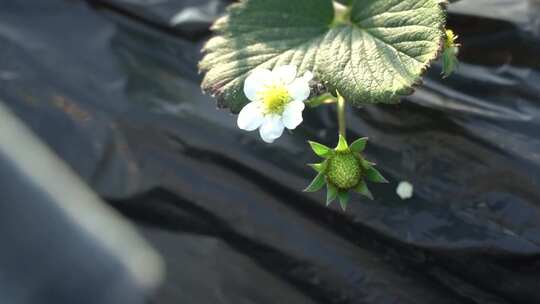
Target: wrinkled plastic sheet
(60, 243)
(113, 88)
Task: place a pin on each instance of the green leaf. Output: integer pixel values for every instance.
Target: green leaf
(359, 145)
(342, 144)
(363, 189)
(366, 164)
(344, 199)
(320, 149)
(319, 167)
(331, 193)
(373, 175)
(317, 183)
(373, 52)
(345, 2)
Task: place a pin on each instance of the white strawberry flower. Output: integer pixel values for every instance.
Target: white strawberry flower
(277, 101)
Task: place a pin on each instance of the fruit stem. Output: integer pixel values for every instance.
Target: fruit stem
(341, 115)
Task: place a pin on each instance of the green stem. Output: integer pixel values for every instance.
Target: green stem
(324, 99)
(341, 116)
(342, 14)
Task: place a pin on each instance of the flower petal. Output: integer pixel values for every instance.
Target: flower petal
(272, 128)
(251, 117)
(308, 76)
(292, 116)
(256, 81)
(299, 89)
(296, 105)
(285, 74)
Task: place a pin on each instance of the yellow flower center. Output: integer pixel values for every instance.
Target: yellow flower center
(274, 98)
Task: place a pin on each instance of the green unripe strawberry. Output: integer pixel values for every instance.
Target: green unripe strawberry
(344, 170)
